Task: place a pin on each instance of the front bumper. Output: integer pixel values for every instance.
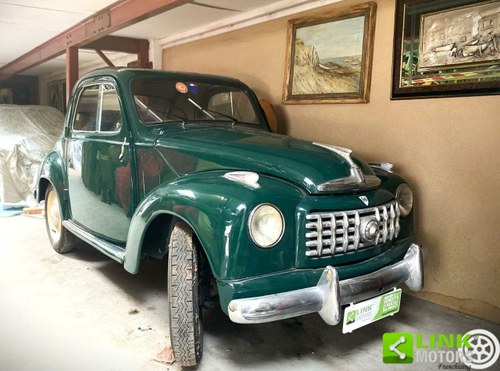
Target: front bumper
(330, 293)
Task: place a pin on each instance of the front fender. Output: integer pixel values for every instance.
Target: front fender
(217, 209)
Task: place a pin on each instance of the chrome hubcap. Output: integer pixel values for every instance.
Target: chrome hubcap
(53, 217)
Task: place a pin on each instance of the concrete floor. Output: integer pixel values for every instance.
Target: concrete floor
(83, 311)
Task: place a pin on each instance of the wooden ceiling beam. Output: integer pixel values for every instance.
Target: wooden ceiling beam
(116, 16)
(118, 44)
(104, 58)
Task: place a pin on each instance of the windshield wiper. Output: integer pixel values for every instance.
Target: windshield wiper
(147, 109)
(156, 119)
(234, 120)
(201, 108)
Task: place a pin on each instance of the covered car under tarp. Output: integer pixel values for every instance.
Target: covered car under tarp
(27, 134)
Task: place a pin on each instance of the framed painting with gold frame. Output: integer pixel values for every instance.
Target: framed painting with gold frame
(329, 57)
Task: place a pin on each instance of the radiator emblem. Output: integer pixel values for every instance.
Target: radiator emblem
(364, 199)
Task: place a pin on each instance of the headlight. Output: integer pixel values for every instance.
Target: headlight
(404, 197)
(266, 225)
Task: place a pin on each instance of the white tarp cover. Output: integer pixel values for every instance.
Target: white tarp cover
(27, 134)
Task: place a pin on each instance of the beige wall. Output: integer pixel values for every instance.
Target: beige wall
(448, 149)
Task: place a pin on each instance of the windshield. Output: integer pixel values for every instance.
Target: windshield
(163, 100)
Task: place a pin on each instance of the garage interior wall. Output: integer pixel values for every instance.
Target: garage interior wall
(447, 148)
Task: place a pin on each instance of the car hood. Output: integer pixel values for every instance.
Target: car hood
(309, 165)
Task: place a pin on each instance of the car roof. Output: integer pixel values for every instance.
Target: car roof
(125, 73)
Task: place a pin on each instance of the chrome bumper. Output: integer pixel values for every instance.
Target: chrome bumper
(330, 294)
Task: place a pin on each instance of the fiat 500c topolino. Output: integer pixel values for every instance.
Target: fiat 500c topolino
(155, 163)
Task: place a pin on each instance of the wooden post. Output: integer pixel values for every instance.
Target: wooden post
(143, 55)
(71, 69)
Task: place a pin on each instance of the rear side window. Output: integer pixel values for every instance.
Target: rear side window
(98, 110)
(86, 113)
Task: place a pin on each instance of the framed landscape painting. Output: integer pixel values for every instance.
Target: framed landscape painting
(329, 57)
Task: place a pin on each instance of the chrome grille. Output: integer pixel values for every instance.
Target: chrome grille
(335, 233)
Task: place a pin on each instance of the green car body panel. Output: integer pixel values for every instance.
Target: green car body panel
(117, 184)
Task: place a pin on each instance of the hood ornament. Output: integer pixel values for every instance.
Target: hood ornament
(364, 199)
(357, 178)
(341, 151)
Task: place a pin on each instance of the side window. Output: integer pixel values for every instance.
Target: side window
(111, 117)
(98, 110)
(86, 112)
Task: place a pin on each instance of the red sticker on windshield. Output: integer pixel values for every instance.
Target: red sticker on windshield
(181, 87)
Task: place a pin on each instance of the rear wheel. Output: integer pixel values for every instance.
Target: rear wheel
(60, 238)
(185, 309)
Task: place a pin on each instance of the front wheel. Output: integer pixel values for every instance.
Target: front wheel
(185, 310)
(60, 238)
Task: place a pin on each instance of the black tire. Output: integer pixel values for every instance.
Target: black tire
(186, 332)
(60, 238)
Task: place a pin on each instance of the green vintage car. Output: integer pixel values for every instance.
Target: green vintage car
(155, 163)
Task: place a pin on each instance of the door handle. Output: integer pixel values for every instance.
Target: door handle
(120, 157)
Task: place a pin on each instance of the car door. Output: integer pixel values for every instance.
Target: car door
(98, 163)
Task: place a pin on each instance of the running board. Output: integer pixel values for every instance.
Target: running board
(113, 251)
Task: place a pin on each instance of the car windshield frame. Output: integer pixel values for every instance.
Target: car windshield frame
(184, 99)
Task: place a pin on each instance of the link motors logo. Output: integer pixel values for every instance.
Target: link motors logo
(477, 349)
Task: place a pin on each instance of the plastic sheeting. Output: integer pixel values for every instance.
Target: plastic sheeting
(27, 134)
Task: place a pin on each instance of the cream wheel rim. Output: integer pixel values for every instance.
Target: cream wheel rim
(53, 217)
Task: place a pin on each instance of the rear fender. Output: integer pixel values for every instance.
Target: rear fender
(51, 172)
